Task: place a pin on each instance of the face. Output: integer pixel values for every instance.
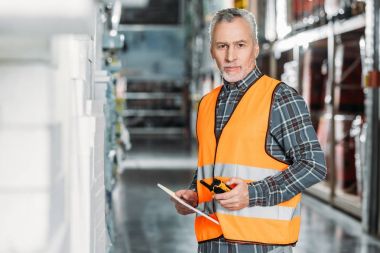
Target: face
(234, 49)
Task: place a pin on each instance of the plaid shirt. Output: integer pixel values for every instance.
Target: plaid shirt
(291, 139)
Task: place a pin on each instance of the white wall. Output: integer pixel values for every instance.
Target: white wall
(51, 144)
(25, 138)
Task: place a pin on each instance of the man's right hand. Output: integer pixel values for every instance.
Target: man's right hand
(190, 197)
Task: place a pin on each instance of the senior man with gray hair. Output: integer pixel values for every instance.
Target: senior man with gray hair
(257, 150)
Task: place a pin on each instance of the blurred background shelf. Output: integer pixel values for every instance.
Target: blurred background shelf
(157, 130)
(350, 203)
(152, 113)
(319, 33)
(156, 95)
(157, 107)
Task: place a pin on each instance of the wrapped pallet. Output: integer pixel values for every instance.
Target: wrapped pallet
(344, 145)
(313, 80)
(349, 95)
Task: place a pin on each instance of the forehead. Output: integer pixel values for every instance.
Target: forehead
(236, 30)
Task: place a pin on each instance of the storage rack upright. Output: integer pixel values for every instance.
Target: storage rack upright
(293, 48)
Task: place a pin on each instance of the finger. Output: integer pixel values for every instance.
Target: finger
(179, 207)
(174, 200)
(180, 193)
(226, 195)
(188, 195)
(235, 180)
(191, 198)
(231, 201)
(232, 206)
(185, 213)
(183, 210)
(177, 204)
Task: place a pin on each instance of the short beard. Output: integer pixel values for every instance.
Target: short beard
(234, 78)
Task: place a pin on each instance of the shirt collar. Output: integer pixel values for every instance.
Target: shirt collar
(243, 84)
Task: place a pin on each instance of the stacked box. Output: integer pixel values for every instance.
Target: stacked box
(344, 160)
(349, 95)
(314, 81)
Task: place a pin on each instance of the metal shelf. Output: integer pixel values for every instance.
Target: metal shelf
(148, 77)
(140, 28)
(156, 130)
(152, 113)
(152, 95)
(320, 190)
(319, 33)
(347, 202)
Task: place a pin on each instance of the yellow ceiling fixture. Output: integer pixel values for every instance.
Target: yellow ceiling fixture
(241, 4)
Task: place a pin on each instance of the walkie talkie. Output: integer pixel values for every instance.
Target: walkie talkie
(217, 186)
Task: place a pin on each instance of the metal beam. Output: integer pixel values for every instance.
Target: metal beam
(371, 203)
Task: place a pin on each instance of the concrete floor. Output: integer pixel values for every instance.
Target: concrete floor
(148, 223)
(159, 153)
(149, 219)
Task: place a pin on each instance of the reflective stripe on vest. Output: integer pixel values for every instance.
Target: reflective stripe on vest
(240, 152)
(272, 212)
(236, 170)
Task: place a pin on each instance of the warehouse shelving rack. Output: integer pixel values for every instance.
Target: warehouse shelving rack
(155, 107)
(293, 47)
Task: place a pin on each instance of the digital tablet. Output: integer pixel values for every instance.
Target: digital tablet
(181, 201)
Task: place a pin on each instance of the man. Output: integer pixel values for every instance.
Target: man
(254, 134)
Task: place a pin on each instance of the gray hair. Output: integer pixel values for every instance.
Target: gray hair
(231, 13)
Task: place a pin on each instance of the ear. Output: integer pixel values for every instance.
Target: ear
(257, 50)
(212, 54)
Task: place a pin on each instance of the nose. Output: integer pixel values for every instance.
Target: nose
(231, 54)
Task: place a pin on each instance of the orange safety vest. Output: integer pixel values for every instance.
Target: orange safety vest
(241, 152)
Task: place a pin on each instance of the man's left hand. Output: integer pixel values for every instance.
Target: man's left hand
(237, 198)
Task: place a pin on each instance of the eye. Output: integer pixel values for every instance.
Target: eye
(221, 46)
(241, 45)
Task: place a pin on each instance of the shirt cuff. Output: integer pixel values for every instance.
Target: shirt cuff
(193, 186)
(257, 192)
